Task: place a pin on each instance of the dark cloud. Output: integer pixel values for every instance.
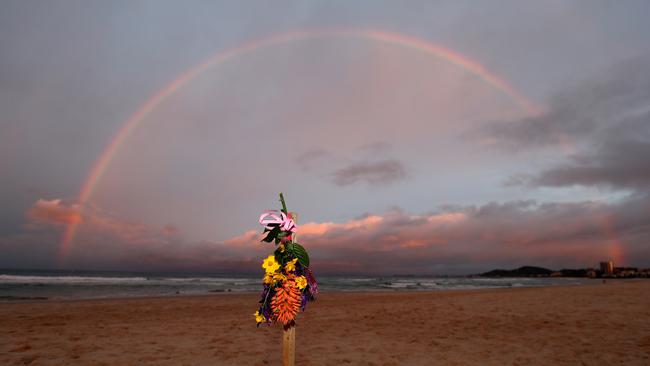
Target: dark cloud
(559, 125)
(619, 165)
(616, 158)
(373, 173)
(308, 158)
(604, 123)
(581, 111)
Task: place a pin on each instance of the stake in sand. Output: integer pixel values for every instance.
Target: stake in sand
(288, 282)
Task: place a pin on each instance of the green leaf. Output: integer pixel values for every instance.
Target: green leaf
(298, 251)
(272, 235)
(280, 257)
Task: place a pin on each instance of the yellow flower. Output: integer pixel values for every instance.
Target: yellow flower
(268, 278)
(291, 265)
(259, 317)
(301, 282)
(270, 264)
(279, 277)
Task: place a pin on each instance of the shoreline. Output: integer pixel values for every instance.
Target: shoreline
(587, 282)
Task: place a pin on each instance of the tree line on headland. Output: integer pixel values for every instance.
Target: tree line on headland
(532, 271)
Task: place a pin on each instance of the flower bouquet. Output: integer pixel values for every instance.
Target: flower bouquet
(288, 282)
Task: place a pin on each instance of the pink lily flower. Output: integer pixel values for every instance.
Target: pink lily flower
(270, 218)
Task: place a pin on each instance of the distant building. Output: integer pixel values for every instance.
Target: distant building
(626, 272)
(591, 273)
(607, 268)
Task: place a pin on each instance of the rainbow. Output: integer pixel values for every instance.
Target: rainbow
(615, 249)
(390, 38)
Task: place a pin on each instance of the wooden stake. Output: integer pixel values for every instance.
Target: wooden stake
(289, 346)
(289, 333)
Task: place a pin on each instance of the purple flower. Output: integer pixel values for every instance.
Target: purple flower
(267, 312)
(303, 303)
(311, 280)
(264, 294)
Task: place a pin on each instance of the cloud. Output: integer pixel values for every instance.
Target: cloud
(53, 212)
(92, 221)
(468, 239)
(171, 229)
(307, 159)
(602, 126)
(452, 240)
(106, 241)
(581, 111)
(619, 165)
(373, 173)
(617, 158)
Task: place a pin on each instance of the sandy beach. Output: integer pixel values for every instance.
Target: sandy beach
(598, 324)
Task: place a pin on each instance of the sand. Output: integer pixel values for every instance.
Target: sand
(596, 324)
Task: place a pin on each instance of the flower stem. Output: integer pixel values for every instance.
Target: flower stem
(284, 205)
(266, 297)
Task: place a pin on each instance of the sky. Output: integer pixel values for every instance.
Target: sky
(419, 137)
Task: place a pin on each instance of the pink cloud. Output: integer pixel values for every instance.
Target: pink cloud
(53, 212)
(460, 240)
(509, 234)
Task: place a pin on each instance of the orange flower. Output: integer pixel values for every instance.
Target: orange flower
(286, 302)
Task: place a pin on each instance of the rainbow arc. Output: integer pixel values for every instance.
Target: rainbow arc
(390, 38)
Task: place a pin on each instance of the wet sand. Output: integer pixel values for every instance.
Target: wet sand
(597, 324)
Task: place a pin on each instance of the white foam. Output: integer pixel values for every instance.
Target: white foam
(68, 279)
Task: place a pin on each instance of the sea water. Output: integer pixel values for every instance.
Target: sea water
(53, 285)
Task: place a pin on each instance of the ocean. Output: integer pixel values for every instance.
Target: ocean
(64, 285)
